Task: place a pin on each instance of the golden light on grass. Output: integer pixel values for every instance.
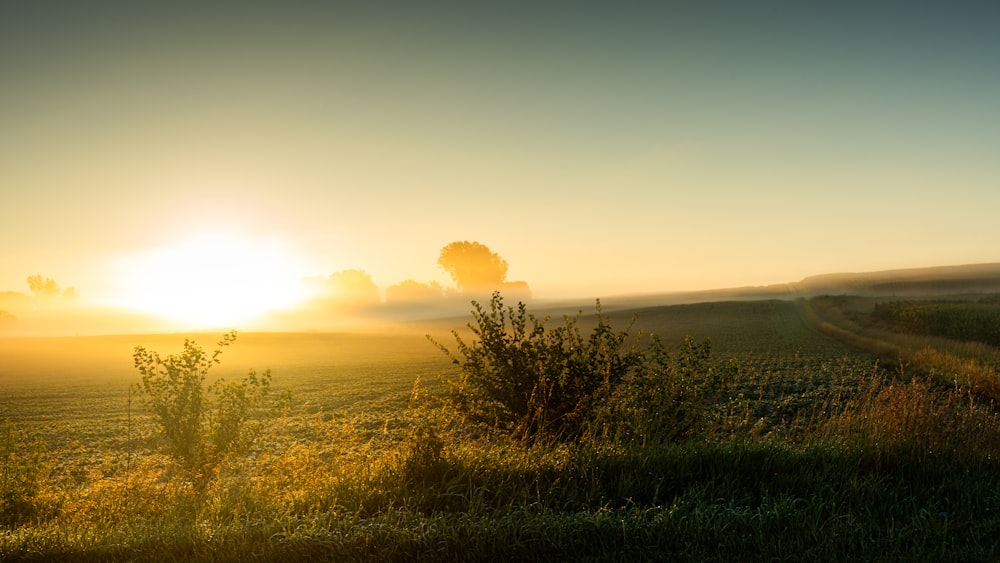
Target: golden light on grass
(211, 279)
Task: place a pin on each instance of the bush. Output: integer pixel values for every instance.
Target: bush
(199, 424)
(528, 380)
(671, 397)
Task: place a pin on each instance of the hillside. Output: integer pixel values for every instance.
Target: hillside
(971, 278)
(909, 282)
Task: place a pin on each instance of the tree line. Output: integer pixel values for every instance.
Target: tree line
(476, 271)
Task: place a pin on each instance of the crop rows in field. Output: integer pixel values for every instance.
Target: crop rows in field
(738, 327)
(72, 394)
(66, 390)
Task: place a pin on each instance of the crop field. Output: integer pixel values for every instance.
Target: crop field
(797, 443)
(57, 388)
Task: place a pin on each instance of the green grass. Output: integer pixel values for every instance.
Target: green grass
(810, 453)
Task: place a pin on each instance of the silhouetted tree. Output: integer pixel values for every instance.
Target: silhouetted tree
(46, 290)
(43, 288)
(348, 287)
(473, 266)
(516, 290)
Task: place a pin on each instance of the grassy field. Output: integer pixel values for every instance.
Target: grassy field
(809, 451)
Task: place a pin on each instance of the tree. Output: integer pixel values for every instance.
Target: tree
(473, 266)
(47, 290)
(350, 287)
(354, 285)
(43, 288)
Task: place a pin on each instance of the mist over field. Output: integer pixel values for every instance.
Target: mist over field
(352, 302)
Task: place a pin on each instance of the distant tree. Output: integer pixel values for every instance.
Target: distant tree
(43, 288)
(69, 295)
(46, 290)
(516, 290)
(349, 287)
(473, 266)
(413, 291)
(354, 285)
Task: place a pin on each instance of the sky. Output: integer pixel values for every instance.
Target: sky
(600, 148)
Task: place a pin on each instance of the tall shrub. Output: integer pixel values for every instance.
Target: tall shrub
(199, 423)
(528, 379)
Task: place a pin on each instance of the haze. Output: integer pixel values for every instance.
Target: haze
(211, 157)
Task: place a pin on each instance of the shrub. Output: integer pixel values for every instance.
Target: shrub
(526, 379)
(669, 398)
(200, 424)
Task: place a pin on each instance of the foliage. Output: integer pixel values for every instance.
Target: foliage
(351, 286)
(43, 287)
(668, 399)
(529, 380)
(200, 424)
(473, 266)
(47, 290)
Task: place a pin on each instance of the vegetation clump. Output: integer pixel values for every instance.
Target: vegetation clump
(199, 423)
(529, 380)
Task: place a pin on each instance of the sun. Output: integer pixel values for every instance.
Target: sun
(211, 280)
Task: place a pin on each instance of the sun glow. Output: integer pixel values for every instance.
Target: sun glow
(212, 280)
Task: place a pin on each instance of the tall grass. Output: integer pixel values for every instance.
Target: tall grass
(884, 467)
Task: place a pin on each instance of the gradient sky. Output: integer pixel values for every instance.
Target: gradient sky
(599, 148)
